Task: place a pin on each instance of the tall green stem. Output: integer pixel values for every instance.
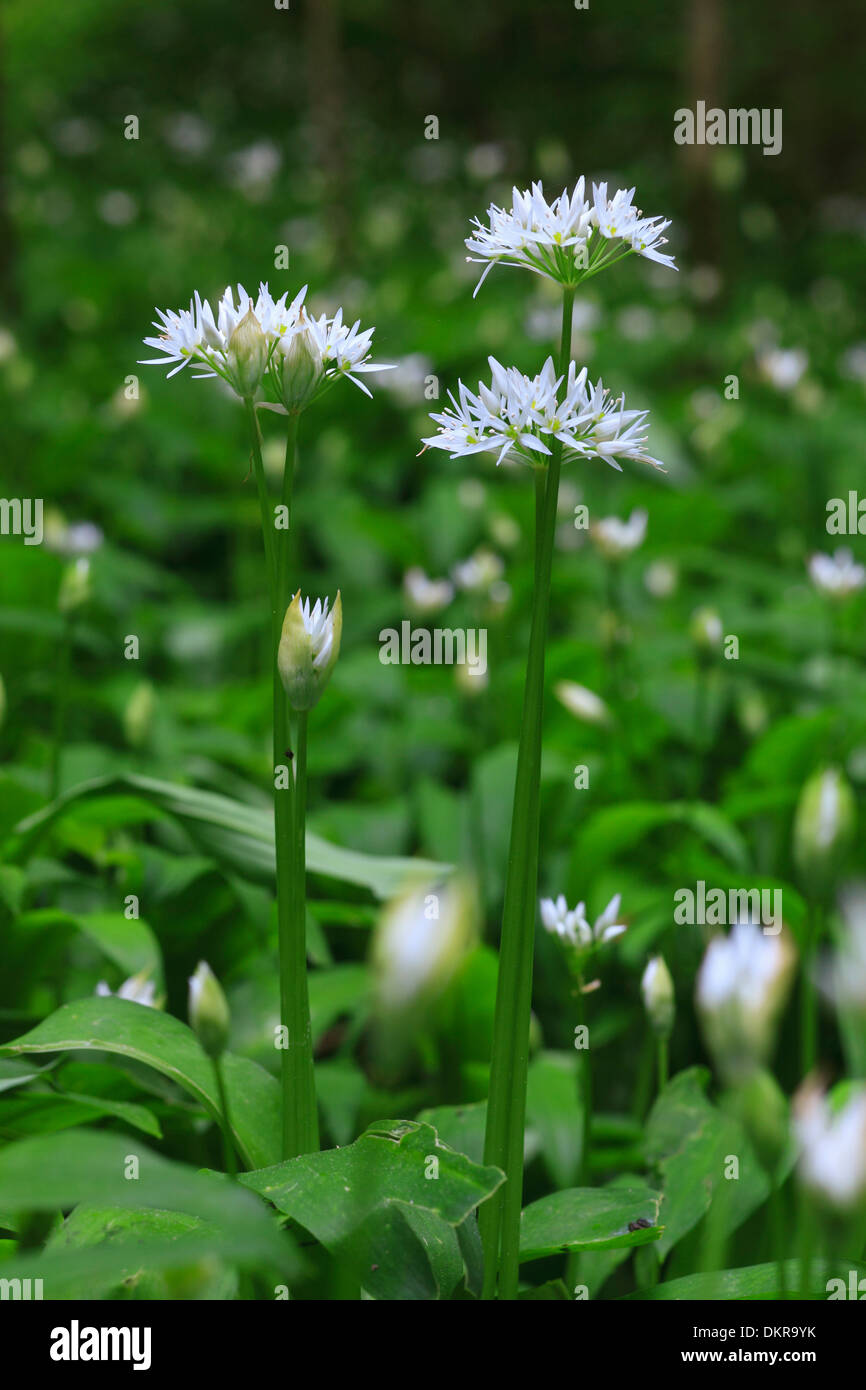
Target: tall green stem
(300, 1120)
(506, 1110)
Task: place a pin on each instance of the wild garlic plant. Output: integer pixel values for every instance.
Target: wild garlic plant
(274, 355)
(556, 416)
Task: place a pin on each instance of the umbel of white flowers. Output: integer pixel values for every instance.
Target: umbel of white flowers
(837, 576)
(309, 647)
(832, 1143)
(570, 239)
(742, 985)
(572, 927)
(519, 417)
(250, 342)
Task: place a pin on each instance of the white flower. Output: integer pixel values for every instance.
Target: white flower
(618, 220)
(783, 367)
(661, 578)
(616, 538)
(582, 703)
(139, 989)
(426, 595)
(519, 417)
(420, 941)
(832, 1146)
(566, 240)
(741, 987)
(203, 337)
(572, 926)
(479, 572)
(836, 575)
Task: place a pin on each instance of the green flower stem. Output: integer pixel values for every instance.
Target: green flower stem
(662, 1056)
(300, 1116)
(300, 1119)
(506, 1110)
(225, 1125)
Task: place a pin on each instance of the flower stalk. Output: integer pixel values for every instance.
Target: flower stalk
(500, 1216)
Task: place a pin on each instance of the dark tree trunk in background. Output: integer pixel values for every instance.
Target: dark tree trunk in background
(704, 80)
(327, 112)
(9, 300)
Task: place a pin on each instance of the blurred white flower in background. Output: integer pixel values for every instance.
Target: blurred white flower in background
(742, 985)
(832, 1142)
(420, 942)
(661, 578)
(837, 575)
(138, 989)
(479, 572)
(783, 367)
(616, 539)
(426, 595)
(581, 702)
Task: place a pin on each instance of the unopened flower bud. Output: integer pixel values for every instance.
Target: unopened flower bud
(824, 826)
(309, 647)
(301, 366)
(74, 586)
(208, 1010)
(138, 714)
(657, 988)
(247, 355)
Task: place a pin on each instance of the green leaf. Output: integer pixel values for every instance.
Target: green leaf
(129, 942)
(38, 1112)
(553, 1109)
(14, 1074)
(235, 835)
(756, 1282)
(138, 1254)
(162, 1042)
(689, 1140)
(589, 1218)
(361, 1201)
(615, 829)
(48, 1173)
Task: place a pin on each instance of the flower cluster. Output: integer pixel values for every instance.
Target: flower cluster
(572, 926)
(741, 987)
(245, 341)
(837, 575)
(519, 417)
(569, 239)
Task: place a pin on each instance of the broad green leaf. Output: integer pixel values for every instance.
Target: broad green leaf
(689, 1140)
(615, 829)
(553, 1109)
(139, 1254)
(461, 1127)
(235, 835)
(161, 1041)
(54, 1173)
(358, 1201)
(129, 942)
(14, 1074)
(758, 1282)
(589, 1218)
(42, 1111)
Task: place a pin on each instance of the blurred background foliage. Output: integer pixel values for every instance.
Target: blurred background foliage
(260, 128)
